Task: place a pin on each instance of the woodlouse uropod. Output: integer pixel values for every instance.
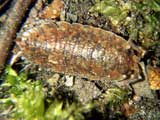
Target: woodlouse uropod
(77, 49)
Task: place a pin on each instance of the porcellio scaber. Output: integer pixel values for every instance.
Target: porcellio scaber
(77, 49)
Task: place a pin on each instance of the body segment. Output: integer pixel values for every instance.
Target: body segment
(77, 49)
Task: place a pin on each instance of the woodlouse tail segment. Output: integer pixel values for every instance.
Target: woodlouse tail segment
(53, 10)
(137, 75)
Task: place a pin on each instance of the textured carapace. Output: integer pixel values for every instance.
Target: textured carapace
(77, 49)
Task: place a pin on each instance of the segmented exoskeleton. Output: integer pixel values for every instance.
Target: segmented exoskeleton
(77, 49)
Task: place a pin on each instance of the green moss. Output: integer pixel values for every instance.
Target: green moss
(27, 97)
(28, 101)
(60, 111)
(113, 9)
(141, 19)
(117, 96)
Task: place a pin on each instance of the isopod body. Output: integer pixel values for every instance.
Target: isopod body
(77, 49)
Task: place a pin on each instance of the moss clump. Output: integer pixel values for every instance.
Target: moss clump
(28, 101)
(140, 18)
(117, 96)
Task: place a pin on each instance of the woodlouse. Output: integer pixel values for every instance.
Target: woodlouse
(77, 49)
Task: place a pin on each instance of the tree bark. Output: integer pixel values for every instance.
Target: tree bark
(10, 28)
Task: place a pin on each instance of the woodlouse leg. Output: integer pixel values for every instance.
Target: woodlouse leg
(14, 58)
(26, 68)
(142, 74)
(141, 85)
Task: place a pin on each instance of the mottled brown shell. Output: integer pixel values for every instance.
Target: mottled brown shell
(77, 49)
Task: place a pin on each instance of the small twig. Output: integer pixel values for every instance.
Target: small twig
(11, 26)
(3, 4)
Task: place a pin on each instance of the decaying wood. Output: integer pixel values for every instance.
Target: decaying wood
(11, 26)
